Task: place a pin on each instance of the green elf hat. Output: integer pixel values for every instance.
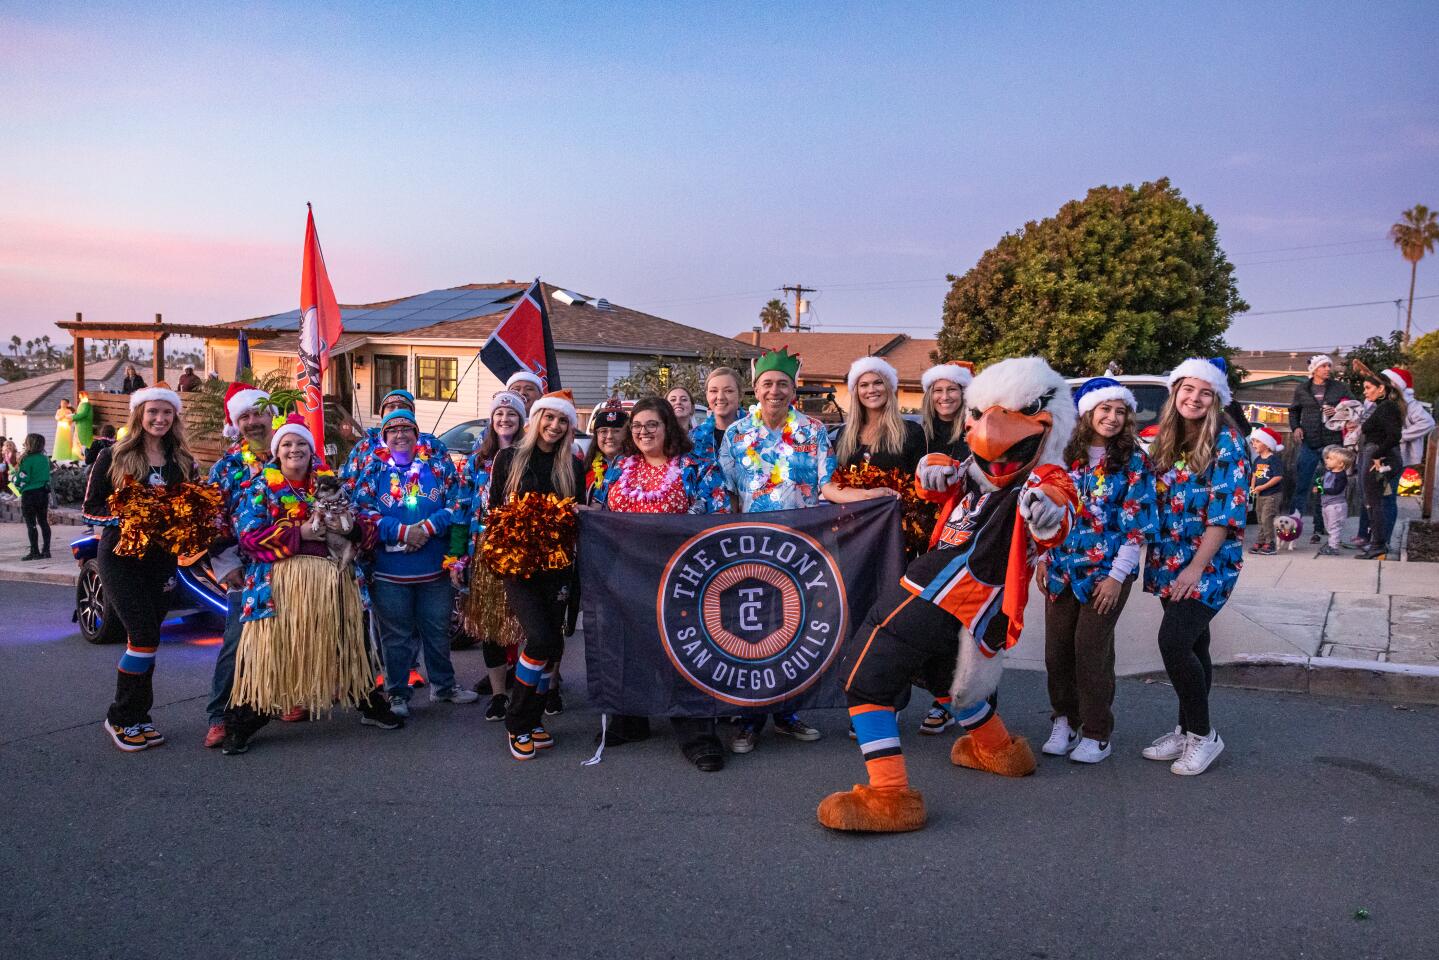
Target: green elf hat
(781, 360)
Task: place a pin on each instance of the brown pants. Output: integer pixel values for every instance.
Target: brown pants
(1079, 657)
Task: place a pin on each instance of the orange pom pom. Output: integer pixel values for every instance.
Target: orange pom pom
(531, 533)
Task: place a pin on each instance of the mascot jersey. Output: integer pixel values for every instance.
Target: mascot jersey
(962, 603)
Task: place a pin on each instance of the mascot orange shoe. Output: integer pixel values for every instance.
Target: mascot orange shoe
(963, 601)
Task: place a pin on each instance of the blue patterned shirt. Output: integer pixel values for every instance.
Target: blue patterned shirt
(1187, 504)
(1114, 510)
(782, 469)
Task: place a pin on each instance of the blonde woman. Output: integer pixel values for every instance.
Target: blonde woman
(540, 463)
(723, 393)
(943, 410)
(874, 432)
(153, 452)
(1201, 471)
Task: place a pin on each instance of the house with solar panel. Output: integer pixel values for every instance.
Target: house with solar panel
(428, 344)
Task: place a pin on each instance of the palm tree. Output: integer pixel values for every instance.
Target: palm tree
(15, 346)
(774, 317)
(1415, 236)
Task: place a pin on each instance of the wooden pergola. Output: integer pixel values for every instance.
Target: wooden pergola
(156, 333)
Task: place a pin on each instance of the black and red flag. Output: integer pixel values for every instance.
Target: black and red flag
(523, 341)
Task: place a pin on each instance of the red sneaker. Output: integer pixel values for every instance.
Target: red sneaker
(296, 715)
(416, 681)
(215, 735)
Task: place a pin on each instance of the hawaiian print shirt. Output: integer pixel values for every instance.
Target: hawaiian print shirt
(1114, 510)
(268, 525)
(1187, 504)
(360, 454)
(685, 485)
(232, 473)
(706, 450)
(782, 469)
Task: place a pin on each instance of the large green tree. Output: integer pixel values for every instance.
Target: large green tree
(1129, 274)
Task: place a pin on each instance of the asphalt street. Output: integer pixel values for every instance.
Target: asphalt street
(1316, 834)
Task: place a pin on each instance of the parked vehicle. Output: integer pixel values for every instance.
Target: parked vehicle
(1150, 392)
(193, 590)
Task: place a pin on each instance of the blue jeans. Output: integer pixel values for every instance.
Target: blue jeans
(224, 677)
(1306, 465)
(414, 617)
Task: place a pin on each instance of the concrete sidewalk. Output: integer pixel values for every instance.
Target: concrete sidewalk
(60, 568)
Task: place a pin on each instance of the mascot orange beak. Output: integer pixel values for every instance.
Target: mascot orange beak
(1006, 443)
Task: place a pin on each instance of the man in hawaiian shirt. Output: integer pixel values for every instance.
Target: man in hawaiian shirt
(776, 458)
(248, 424)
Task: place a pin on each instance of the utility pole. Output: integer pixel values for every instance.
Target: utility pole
(799, 290)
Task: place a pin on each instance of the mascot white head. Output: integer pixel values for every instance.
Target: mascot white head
(1021, 415)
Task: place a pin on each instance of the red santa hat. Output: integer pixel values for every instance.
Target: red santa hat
(1267, 437)
(956, 372)
(160, 391)
(560, 401)
(294, 425)
(239, 398)
(873, 365)
(1401, 378)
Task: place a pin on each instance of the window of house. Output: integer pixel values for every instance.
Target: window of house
(390, 374)
(436, 377)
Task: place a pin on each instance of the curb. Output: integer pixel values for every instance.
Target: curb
(1330, 677)
(58, 577)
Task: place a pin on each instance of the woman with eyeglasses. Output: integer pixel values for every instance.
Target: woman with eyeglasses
(657, 473)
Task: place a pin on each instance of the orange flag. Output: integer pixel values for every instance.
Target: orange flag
(320, 328)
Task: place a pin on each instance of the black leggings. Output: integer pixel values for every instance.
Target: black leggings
(35, 508)
(135, 590)
(539, 604)
(1184, 645)
(495, 656)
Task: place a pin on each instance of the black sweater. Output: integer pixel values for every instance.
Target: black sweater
(537, 478)
(906, 459)
(949, 439)
(1383, 427)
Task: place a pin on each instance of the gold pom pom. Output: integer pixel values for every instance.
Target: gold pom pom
(181, 519)
(531, 533)
(917, 516)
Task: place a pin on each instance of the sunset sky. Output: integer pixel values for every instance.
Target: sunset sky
(687, 159)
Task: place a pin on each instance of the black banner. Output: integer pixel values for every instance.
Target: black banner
(729, 614)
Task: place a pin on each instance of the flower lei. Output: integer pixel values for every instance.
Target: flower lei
(769, 473)
(629, 485)
(292, 503)
(407, 488)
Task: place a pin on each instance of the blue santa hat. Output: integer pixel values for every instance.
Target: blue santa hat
(1097, 390)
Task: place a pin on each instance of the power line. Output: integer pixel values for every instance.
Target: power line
(1319, 256)
(1310, 246)
(1331, 306)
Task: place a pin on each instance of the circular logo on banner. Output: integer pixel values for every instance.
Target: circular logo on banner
(751, 613)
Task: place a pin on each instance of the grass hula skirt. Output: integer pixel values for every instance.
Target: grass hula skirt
(313, 651)
(485, 614)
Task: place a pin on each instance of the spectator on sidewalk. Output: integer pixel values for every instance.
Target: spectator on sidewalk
(1314, 400)
(188, 382)
(9, 463)
(1334, 498)
(1379, 459)
(32, 476)
(1266, 484)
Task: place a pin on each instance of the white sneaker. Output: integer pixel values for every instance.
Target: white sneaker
(1090, 751)
(400, 708)
(1168, 747)
(1199, 753)
(1061, 738)
(453, 695)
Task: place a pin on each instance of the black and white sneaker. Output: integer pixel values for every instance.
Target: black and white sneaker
(554, 703)
(499, 706)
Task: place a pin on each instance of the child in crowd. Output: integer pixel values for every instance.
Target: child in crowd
(1267, 483)
(1334, 496)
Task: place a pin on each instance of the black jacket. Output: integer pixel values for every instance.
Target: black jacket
(1307, 414)
(1383, 428)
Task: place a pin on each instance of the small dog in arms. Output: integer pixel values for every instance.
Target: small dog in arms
(333, 511)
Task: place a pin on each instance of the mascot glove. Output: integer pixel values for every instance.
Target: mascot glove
(1042, 514)
(936, 473)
